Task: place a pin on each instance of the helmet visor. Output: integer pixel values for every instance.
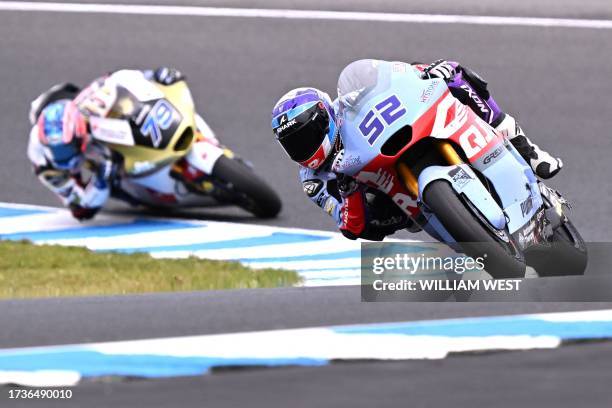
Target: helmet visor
(311, 127)
(63, 153)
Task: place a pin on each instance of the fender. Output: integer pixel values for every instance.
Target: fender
(203, 156)
(464, 181)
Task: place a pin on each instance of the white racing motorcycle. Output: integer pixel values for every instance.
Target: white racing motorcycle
(166, 155)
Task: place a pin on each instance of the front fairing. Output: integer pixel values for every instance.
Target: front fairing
(366, 103)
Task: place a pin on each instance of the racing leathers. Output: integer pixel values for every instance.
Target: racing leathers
(85, 186)
(361, 212)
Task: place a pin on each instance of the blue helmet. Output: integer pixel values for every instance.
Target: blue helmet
(62, 132)
(304, 123)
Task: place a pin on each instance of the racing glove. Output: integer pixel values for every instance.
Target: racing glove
(85, 202)
(443, 69)
(347, 185)
(83, 213)
(167, 76)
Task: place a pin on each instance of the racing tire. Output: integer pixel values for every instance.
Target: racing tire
(502, 259)
(246, 189)
(566, 255)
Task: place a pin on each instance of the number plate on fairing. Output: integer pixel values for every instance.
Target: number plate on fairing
(377, 99)
(156, 124)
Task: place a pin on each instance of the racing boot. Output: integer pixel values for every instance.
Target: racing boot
(542, 163)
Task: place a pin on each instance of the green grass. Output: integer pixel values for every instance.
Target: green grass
(28, 270)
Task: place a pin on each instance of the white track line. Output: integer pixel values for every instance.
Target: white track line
(303, 14)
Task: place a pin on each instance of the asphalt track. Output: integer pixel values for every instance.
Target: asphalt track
(555, 80)
(575, 376)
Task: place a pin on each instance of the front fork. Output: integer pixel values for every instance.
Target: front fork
(464, 181)
(195, 169)
(446, 150)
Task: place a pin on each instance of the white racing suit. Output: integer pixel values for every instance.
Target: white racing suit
(85, 189)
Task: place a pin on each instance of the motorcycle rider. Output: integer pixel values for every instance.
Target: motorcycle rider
(62, 151)
(304, 122)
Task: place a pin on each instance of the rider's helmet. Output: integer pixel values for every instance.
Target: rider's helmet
(62, 130)
(304, 123)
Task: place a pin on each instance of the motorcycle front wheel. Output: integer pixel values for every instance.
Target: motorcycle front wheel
(241, 186)
(502, 259)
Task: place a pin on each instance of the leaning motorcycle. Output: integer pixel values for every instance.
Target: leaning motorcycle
(166, 155)
(457, 177)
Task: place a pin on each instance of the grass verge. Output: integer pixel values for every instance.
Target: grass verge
(28, 270)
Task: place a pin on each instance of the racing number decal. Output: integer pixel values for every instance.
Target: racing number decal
(158, 120)
(472, 140)
(389, 110)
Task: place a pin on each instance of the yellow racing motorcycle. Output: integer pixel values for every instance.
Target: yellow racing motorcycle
(165, 153)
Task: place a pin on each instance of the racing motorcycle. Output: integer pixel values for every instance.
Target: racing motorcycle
(166, 155)
(458, 178)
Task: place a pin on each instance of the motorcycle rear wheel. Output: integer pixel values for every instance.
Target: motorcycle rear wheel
(502, 261)
(566, 255)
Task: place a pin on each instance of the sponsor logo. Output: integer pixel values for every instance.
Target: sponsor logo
(474, 140)
(381, 180)
(527, 206)
(460, 177)
(345, 213)
(427, 92)
(284, 127)
(482, 106)
(349, 162)
(529, 235)
(312, 187)
(391, 221)
(526, 238)
(321, 200)
(494, 155)
(329, 206)
(142, 166)
(313, 164)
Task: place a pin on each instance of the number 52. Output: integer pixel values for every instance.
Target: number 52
(390, 110)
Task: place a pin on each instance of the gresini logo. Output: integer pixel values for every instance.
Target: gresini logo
(496, 153)
(284, 127)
